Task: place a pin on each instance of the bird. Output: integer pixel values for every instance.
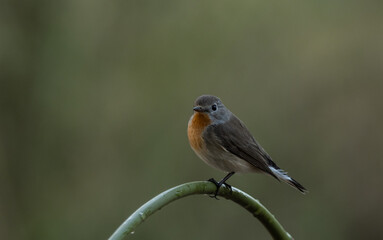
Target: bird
(223, 141)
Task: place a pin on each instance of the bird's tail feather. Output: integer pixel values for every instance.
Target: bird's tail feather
(282, 175)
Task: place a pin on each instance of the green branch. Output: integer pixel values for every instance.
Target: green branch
(203, 187)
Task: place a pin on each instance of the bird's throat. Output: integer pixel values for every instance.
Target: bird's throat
(197, 124)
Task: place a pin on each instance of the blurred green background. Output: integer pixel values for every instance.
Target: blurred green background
(96, 96)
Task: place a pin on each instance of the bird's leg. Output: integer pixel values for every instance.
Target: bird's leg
(219, 184)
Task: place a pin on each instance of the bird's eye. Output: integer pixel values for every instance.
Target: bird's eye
(214, 107)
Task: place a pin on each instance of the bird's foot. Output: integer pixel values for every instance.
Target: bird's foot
(218, 185)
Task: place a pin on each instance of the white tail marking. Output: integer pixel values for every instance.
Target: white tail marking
(282, 175)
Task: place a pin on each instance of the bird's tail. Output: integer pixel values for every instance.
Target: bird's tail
(282, 175)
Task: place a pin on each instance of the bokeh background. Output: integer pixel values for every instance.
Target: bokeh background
(96, 96)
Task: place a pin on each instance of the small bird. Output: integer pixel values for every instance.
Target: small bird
(222, 141)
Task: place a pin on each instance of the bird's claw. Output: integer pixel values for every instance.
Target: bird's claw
(214, 196)
(214, 181)
(229, 187)
(218, 185)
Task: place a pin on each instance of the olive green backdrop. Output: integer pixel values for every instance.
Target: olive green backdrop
(96, 95)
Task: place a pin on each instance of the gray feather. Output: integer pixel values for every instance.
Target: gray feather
(237, 139)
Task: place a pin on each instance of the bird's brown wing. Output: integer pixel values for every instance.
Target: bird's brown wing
(237, 139)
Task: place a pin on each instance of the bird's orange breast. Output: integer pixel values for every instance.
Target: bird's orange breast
(197, 124)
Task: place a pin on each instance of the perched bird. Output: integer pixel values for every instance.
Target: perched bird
(222, 140)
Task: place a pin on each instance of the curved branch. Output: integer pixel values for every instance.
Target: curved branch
(201, 187)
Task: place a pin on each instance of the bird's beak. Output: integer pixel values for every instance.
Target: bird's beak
(198, 109)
